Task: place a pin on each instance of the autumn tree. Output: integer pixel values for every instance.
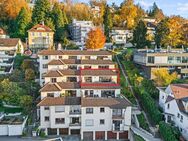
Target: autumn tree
(11, 8)
(128, 13)
(41, 11)
(139, 36)
(96, 39)
(185, 33)
(21, 23)
(107, 23)
(162, 77)
(29, 74)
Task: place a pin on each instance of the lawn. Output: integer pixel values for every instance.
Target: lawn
(138, 138)
(142, 122)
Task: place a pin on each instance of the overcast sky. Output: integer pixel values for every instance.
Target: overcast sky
(169, 7)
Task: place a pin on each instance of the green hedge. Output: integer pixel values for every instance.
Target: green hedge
(168, 132)
(142, 122)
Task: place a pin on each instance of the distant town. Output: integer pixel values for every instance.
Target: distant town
(74, 71)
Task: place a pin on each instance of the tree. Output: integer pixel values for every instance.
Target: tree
(96, 39)
(107, 23)
(11, 8)
(29, 74)
(128, 13)
(26, 103)
(21, 23)
(41, 11)
(139, 35)
(27, 64)
(162, 31)
(156, 13)
(163, 77)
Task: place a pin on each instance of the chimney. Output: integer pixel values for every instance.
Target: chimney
(42, 22)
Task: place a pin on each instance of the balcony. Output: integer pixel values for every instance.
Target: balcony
(75, 112)
(75, 124)
(117, 117)
(117, 128)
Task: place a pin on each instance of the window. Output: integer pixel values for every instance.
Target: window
(59, 109)
(178, 115)
(50, 94)
(181, 119)
(45, 57)
(60, 120)
(89, 110)
(46, 108)
(46, 118)
(53, 80)
(45, 66)
(102, 110)
(151, 59)
(168, 106)
(60, 57)
(101, 121)
(117, 112)
(89, 122)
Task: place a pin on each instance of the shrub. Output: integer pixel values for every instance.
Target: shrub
(142, 122)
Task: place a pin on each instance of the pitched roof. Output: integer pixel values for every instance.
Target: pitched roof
(50, 88)
(179, 90)
(40, 28)
(74, 52)
(68, 85)
(168, 99)
(55, 101)
(115, 103)
(74, 61)
(9, 42)
(60, 73)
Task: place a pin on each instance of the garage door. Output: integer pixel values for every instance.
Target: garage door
(52, 131)
(88, 136)
(99, 135)
(123, 135)
(111, 135)
(75, 131)
(63, 131)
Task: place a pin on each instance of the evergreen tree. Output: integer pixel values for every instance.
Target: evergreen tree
(156, 13)
(107, 23)
(21, 24)
(139, 35)
(162, 31)
(41, 11)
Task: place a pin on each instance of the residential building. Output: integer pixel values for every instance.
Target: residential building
(9, 47)
(92, 118)
(120, 35)
(171, 59)
(40, 37)
(95, 11)
(79, 30)
(174, 102)
(74, 60)
(151, 25)
(3, 34)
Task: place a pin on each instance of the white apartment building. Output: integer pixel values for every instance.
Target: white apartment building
(120, 35)
(92, 118)
(74, 60)
(174, 102)
(9, 47)
(79, 30)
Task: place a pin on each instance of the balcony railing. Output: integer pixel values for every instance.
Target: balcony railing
(117, 127)
(76, 112)
(75, 124)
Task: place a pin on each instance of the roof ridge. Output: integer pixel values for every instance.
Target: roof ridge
(62, 61)
(56, 84)
(60, 72)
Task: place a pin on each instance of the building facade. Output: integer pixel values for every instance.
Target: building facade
(173, 60)
(79, 30)
(3, 34)
(81, 95)
(9, 47)
(40, 37)
(174, 102)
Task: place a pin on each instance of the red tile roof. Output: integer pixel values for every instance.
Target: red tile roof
(9, 42)
(40, 28)
(179, 90)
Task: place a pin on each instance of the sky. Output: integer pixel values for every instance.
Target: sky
(169, 7)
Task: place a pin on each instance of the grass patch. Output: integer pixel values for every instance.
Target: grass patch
(138, 138)
(142, 122)
(10, 110)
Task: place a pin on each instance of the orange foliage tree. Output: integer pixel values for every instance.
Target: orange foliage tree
(96, 39)
(11, 8)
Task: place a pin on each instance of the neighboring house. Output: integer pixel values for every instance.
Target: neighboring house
(9, 47)
(93, 118)
(171, 59)
(174, 101)
(12, 124)
(79, 30)
(3, 34)
(120, 35)
(40, 37)
(73, 59)
(151, 25)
